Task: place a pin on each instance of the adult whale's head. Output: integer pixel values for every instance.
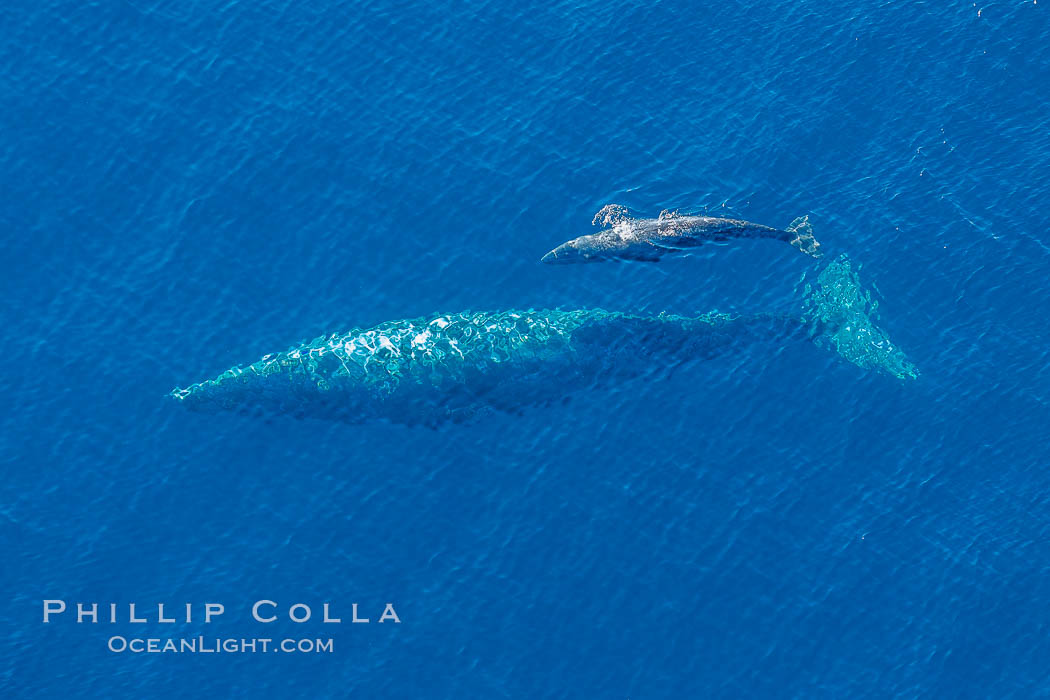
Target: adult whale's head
(578, 250)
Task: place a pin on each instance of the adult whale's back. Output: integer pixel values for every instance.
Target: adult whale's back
(451, 366)
(626, 238)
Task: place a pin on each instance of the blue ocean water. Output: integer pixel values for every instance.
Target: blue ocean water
(188, 186)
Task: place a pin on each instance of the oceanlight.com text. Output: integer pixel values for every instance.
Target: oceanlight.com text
(217, 645)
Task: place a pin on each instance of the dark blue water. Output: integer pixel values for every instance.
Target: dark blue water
(188, 186)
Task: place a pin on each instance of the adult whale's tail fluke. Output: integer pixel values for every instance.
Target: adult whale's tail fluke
(842, 316)
(802, 236)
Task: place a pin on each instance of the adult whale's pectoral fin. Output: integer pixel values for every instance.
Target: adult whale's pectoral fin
(610, 215)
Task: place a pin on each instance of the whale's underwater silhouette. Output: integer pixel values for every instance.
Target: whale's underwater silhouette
(452, 367)
(648, 240)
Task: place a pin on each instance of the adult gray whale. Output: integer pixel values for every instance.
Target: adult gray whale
(451, 367)
(650, 239)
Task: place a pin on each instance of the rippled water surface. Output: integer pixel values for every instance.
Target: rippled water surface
(187, 187)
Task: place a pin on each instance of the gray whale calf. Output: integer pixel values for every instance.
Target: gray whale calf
(650, 239)
(452, 367)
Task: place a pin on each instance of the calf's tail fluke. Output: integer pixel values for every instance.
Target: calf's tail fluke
(841, 316)
(802, 236)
